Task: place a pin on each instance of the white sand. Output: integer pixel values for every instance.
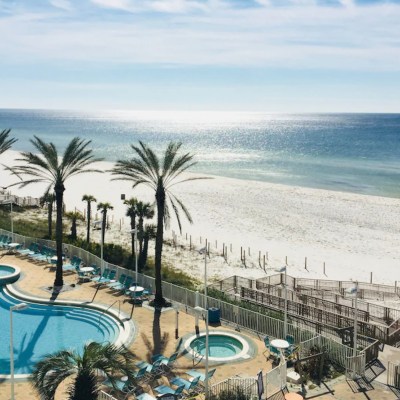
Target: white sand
(353, 234)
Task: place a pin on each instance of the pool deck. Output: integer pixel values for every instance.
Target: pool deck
(34, 278)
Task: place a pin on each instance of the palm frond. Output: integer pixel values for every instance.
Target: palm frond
(5, 141)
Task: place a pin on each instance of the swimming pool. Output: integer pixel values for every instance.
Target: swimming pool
(8, 274)
(41, 329)
(223, 346)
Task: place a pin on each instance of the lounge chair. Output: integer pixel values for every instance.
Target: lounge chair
(191, 387)
(164, 389)
(109, 278)
(267, 345)
(32, 249)
(167, 362)
(104, 276)
(195, 373)
(119, 284)
(145, 396)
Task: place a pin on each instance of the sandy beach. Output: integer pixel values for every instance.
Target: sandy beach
(352, 234)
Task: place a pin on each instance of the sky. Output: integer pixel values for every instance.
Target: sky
(231, 55)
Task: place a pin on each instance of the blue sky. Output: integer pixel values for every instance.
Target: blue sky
(261, 55)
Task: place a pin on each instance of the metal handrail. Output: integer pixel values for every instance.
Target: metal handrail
(104, 311)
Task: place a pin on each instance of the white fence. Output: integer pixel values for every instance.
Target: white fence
(105, 396)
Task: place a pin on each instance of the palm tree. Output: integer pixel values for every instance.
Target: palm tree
(103, 208)
(107, 358)
(5, 141)
(144, 210)
(74, 216)
(131, 212)
(149, 232)
(49, 199)
(47, 167)
(160, 175)
(89, 199)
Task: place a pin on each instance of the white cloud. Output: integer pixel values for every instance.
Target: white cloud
(63, 4)
(116, 4)
(359, 38)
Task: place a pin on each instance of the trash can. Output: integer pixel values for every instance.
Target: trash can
(214, 315)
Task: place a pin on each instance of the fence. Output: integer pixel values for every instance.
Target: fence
(393, 375)
(274, 382)
(105, 396)
(236, 386)
(355, 366)
(252, 321)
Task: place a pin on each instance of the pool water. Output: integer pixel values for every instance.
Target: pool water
(220, 346)
(5, 270)
(41, 329)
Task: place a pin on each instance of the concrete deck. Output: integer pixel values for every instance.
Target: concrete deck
(36, 277)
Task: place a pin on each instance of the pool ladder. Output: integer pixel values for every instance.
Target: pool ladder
(197, 355)
(104, 311)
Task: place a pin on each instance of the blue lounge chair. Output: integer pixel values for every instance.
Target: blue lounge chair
(195, 373)
(109, 278)
(104, 276)
(145, 396)
(191, 387)
(164, 389)
(119, 284)
(167, 362)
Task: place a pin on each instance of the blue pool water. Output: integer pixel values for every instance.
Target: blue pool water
(6, 270)
(43, 329)
(220, 346)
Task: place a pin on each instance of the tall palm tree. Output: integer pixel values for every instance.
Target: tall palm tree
(103, 208)
(131, 212)
(47, 167)
(144, 210)
(5, 141)
(55, 368)
(89, 200)
(149, 232)
(49, 199)
(74, 216)
(160, 175)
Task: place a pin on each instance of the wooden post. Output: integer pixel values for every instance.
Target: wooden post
(267, 254)
(120, 224)
(231, 247)
(186, 236)
(286, 260)
(223, 250)
(305, 263)
(324, 269)
(216, 244)
(249, 251)
(226, 253)
(241, 253)
(370, 279)
(259, 258)
(244, 259)
(208, 249)
(200, 239)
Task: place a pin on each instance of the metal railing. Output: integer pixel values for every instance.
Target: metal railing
(105, 396)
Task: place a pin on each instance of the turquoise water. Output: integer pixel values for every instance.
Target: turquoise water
(347, 152)
(43, 329)
(5, 270)
(220, 346)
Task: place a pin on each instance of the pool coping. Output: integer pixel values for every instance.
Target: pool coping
(128, 329)
(12, 277)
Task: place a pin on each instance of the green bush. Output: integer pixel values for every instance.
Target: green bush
(236, 394)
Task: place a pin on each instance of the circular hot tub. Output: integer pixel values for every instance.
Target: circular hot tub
(222, 346)
(8, 274)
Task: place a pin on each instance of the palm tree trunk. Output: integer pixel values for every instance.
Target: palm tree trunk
(84, 388)
(144, 253)
(50, 218)
(140, 234)
(59, 190)
(160, 199)
(73, 230)
(133, 226)
(88, 222)
(103, 226)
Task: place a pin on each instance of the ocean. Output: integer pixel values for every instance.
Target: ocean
(357, 153)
